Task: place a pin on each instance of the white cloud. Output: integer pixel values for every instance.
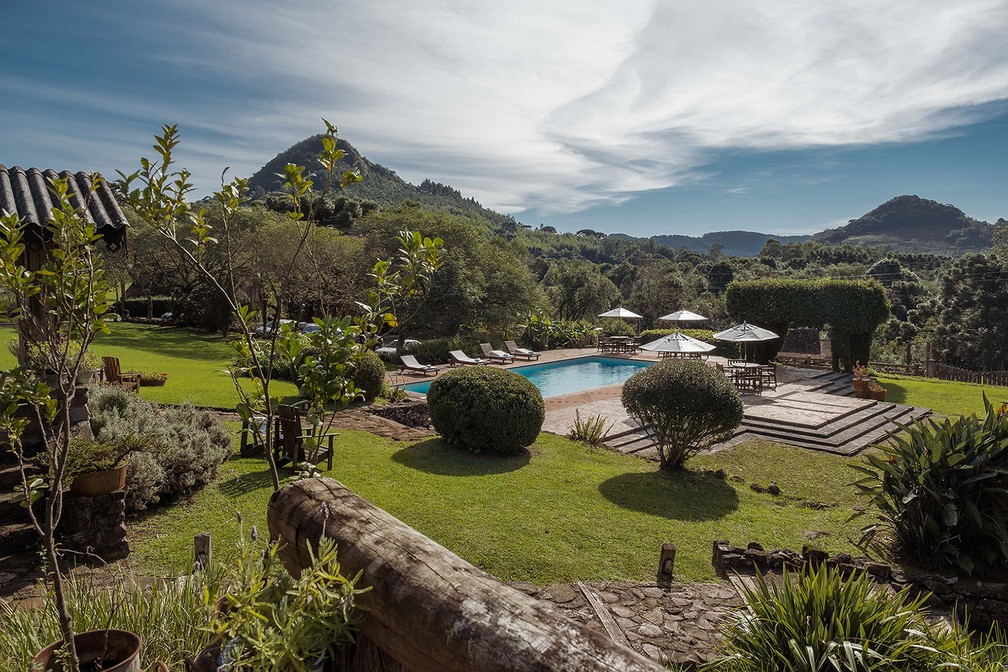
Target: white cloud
(558, 105)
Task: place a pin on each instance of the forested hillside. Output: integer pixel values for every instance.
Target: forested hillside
(380, 184)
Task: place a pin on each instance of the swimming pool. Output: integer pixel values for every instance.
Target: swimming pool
(570, 375)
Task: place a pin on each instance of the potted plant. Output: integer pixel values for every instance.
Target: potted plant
(861, 380)
(876, 391)
(268, 620)
(153, 379)
(98, 467)
(90, 367)
(105, 650)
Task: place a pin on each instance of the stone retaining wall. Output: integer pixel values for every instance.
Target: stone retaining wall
(95, 526)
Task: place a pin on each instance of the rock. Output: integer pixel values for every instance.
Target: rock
(650, 630)
(773, 489)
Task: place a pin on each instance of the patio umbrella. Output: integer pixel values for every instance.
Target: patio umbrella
(745, 333)
(677, 342)
(622, 313)
(683, 316)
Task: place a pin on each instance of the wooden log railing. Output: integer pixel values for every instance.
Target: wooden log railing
(948, 372)
(428, 609)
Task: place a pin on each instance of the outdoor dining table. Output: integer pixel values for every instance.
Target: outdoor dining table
(621, 344)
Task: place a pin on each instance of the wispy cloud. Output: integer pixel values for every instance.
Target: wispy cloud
(553, 106)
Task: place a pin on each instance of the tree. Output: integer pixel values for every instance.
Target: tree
(684, 406)
(59, 308)
(973, 313)
(578, 289)
(161, 200)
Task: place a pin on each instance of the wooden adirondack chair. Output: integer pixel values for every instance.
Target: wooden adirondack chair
(292, 434)
(115, 376)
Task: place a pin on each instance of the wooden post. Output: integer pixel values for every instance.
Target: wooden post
(202, 550)
(666, 563)
(429, 609)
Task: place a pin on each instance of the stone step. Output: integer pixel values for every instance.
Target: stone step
(835, 435)
(10, 475)
(16, 537)
(850, 418)
(848, 442)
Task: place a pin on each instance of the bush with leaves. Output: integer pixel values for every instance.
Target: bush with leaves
(684, 406)
(369, 374)
(941, 491)
(482, 408)
(818, 619)
(183, 446)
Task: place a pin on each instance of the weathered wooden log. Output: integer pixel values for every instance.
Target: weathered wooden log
(428, 608)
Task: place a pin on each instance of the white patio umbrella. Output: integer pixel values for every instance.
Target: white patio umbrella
(623, 314)
(745, 333)
(677, 342)
(683, 316)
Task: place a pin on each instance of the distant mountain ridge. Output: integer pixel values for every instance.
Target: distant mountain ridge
(918, 223)
(909, 222)
(380, 184)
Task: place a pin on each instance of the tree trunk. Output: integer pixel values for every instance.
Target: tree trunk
(428, 608)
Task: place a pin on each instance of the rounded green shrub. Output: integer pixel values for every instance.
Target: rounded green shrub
(684, 405)
(369, 375)
(482, 408)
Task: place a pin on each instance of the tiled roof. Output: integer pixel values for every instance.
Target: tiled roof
(26, 193)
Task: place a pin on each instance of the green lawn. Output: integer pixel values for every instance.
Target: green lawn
(563, 512)
(942, 396)
(195, 362)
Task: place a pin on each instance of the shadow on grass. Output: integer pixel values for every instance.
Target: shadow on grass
(434, 456)
(895, 393)
(245, 483)
(172, 341)
(681, 495)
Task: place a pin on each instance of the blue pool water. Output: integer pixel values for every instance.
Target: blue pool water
(571, 375)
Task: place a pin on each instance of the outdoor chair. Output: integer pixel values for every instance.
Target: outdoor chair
(410, 363)
(517, 351)
(459, 357)
(496, 355)
(115, 376)
(749, 380)
(769, 372)
(292, 434)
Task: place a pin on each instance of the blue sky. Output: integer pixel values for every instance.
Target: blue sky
(641, 117)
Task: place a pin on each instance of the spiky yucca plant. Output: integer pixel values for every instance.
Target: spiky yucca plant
(818, 620)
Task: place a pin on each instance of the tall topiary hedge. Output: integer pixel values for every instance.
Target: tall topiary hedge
(852, 309)
(684, 405)
(486, 409)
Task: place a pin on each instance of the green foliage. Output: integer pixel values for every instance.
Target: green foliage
(685, 406)
(941, 491)
(272, 621)
(543, 332)
(592, 430)
(369, 375)
(818, 620)
(167, 615)
(482, 408)
(852, 309)
(973, 314)
(175, 450)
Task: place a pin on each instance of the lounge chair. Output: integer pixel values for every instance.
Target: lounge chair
(513, 348)
(459, 357)
(496, 355)
(410, 363)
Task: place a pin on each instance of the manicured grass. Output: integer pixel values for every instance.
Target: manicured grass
(563, 512)
(195, 362)
(942, 396)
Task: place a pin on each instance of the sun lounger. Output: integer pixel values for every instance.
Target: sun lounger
(513, 348)
(459, 357)
(496, 355)
(410, 363)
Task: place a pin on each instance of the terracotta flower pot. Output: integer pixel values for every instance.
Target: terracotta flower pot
(861, 388)
(878, 393)
(92, 483)
(105, 650)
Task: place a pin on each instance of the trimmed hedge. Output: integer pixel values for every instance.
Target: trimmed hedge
(482, 408)
(684, 405)
(852, 309)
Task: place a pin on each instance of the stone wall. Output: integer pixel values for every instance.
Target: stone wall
(412, 413)
(95, 526)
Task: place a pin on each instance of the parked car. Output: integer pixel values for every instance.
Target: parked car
(387, 349)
